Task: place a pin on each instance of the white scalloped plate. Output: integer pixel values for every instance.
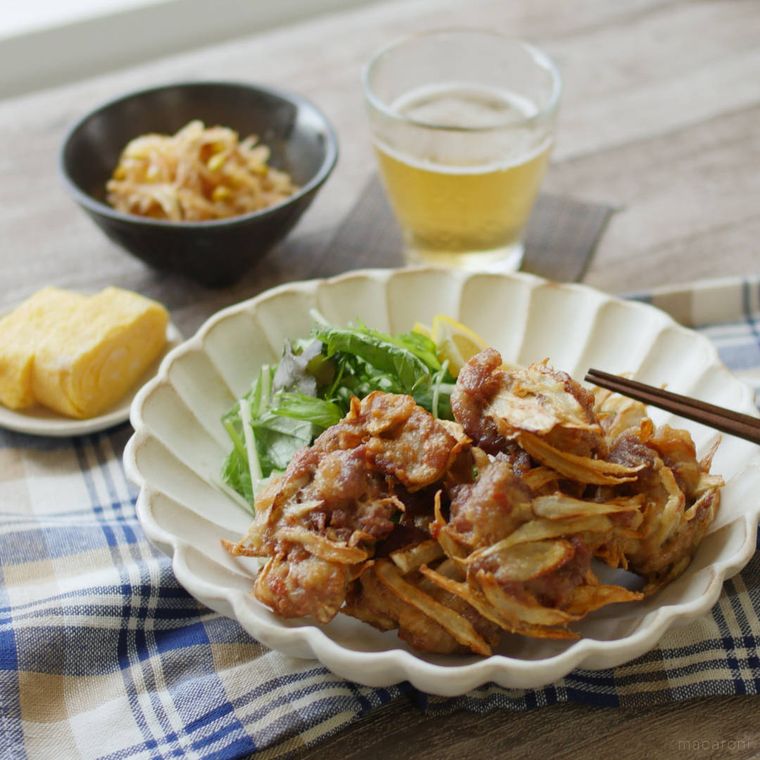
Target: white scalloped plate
(179, 444)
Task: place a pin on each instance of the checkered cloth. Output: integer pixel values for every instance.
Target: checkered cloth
(103, 654)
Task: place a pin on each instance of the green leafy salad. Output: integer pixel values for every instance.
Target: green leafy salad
(290, 403)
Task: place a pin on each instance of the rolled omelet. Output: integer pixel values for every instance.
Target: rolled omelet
(87, 363)
(20, 333)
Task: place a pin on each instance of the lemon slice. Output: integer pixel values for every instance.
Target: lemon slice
(422, 329)
(456, 342)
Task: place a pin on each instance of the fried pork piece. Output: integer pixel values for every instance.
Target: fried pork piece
(681, 501)
(406, 442)
(540, 574)
(334, 496)
(678, 452)
(477, 384)
(543, 410)
(299, 584)
(495, 405)
(546, 572)
(320, 521)
(524, 550)
(490, 508)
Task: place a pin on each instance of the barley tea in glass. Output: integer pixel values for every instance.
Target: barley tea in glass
(462, 123)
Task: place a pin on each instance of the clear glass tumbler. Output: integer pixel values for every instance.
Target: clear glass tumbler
(462, 123)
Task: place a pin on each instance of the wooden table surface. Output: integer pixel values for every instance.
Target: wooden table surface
(660, 117)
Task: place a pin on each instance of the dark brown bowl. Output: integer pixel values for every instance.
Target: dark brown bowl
(214, 253)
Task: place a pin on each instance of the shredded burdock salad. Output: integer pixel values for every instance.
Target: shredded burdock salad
(198, 174)
(417, 483)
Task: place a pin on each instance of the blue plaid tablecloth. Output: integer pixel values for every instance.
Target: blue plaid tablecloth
(103, 654)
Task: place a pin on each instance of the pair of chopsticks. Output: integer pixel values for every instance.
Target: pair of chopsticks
(725, 420)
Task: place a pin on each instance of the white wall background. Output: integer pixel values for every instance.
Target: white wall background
(48, 42)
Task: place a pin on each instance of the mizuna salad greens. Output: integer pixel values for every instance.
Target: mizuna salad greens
(290, 403)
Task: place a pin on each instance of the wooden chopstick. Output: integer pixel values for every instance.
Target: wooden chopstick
(725, 420)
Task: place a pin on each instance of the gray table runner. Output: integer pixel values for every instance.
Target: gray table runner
(560, 241)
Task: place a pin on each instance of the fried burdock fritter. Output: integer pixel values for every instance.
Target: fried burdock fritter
(453, 533)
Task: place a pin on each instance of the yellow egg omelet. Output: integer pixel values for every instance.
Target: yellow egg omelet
(20, 333)
(77, 354)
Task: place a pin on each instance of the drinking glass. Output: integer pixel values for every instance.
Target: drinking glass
(462, 123)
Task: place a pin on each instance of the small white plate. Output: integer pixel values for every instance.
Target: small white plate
(38, 420)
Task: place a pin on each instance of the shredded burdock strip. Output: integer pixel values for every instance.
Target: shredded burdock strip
(322, 547)
(459, 627)
(579, 468)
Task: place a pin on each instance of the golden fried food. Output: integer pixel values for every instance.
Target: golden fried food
(453, 533)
